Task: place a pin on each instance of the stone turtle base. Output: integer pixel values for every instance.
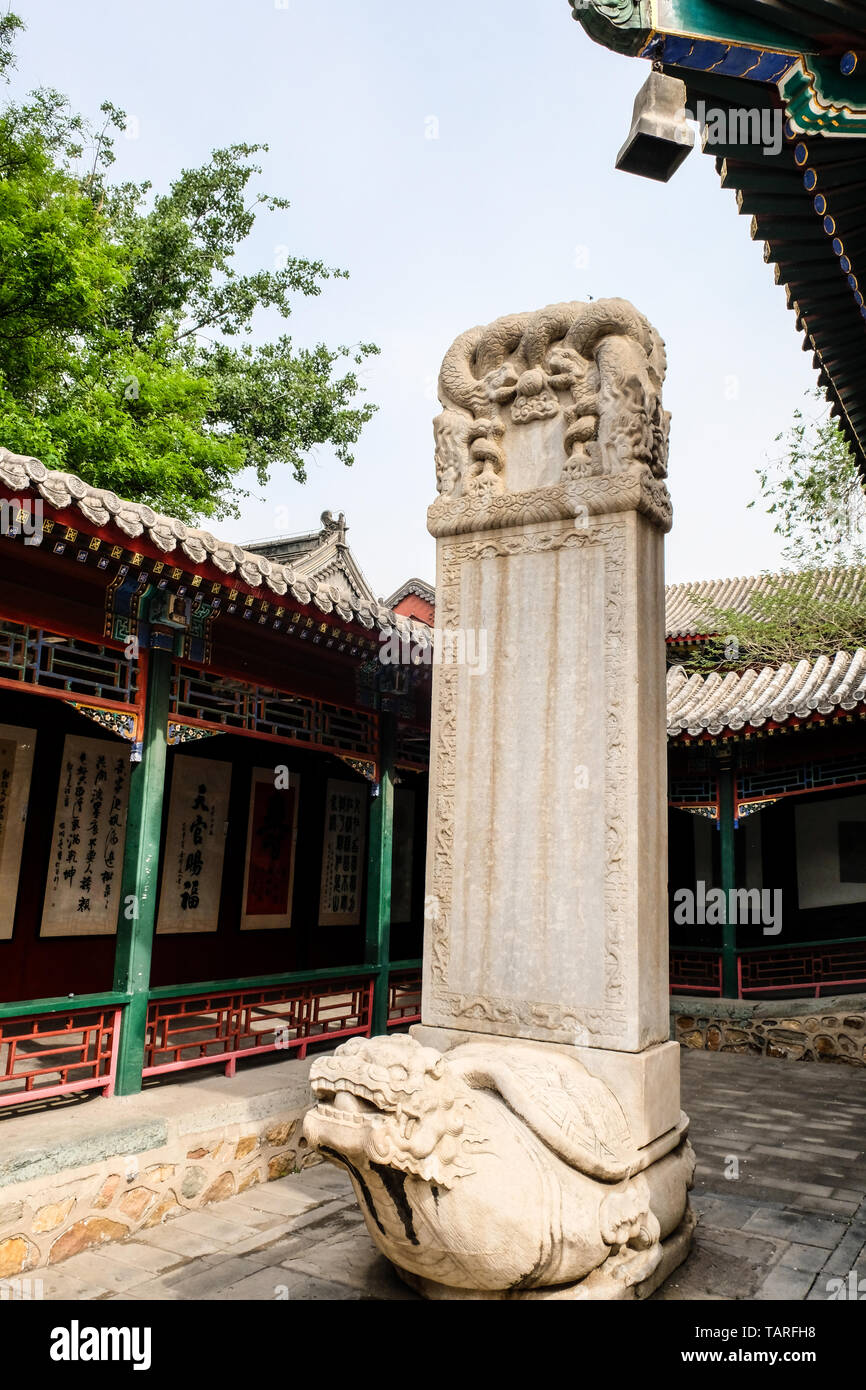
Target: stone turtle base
(800, 1030)
(608, 1284)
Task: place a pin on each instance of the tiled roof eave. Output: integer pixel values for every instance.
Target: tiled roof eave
(687, 604)
(812, 691)
(131, 521)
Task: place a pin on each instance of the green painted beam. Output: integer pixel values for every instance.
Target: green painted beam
(25, 1008)
(797, 945)
(137, 919)
(111, 998)
(790, 260)
(754, 179)
(378, 919)
(820, 101)
(753, 203)
(715, 19)
(728, 877)
(291, 977)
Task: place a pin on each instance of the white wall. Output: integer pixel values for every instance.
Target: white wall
(818, 851)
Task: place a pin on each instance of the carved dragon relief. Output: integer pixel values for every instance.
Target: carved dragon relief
(498, 1170)
(596, 369)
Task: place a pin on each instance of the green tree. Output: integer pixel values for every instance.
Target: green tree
(814, 492)
(125, 351)
(802, 614)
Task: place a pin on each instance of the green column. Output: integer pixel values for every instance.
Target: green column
(727, 814)
(136, 922)
(378, 932)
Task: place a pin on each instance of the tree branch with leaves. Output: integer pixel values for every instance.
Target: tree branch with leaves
(120, 313)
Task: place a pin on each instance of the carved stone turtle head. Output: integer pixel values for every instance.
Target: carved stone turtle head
(391, 1102)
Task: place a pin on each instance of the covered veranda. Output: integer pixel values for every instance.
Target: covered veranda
(212, 797)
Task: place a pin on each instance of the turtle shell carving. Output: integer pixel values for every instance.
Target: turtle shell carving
(499, 1168)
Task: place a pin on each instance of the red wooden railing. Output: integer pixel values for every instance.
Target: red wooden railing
(51, 1051)
(810, 969)
(57, 1053)
(804, 971)
(695, 972)
(197, 1030)
(404, 998)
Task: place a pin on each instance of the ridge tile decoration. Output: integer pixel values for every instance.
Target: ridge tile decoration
(526, 1140)
(689, 606)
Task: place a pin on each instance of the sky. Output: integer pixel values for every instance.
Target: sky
(457, 159)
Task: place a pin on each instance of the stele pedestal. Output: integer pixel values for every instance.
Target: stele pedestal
(526, 1141)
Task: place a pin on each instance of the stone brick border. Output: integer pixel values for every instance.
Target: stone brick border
(73, 1177)
(801, 1030)
(43, 1222)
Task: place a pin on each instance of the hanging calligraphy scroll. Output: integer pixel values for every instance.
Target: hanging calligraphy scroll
(272, 831)
(195, 842)
(16, 762)
(82, 894)
(403, 854)
(343, 854)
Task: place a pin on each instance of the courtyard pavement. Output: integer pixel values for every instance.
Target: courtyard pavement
(780, 1188)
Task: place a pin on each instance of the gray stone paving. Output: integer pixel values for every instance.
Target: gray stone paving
(792, 1219)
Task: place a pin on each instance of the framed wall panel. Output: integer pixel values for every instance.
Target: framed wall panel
(344, 837)
(16, 765)
(82, 891)
(272, 832)
(195, 843)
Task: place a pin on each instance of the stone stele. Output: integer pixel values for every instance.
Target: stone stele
(527, 1140)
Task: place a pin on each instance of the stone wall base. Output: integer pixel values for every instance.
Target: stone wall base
(153, 1157)
(801, 1030)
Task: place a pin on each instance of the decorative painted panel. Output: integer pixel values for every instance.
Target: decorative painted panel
(272, 830)
(343, 853)
(16, 763)
(194, 846)
(82, 892)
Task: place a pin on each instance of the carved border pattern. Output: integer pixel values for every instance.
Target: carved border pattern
(634, 490)
(599, 1026)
